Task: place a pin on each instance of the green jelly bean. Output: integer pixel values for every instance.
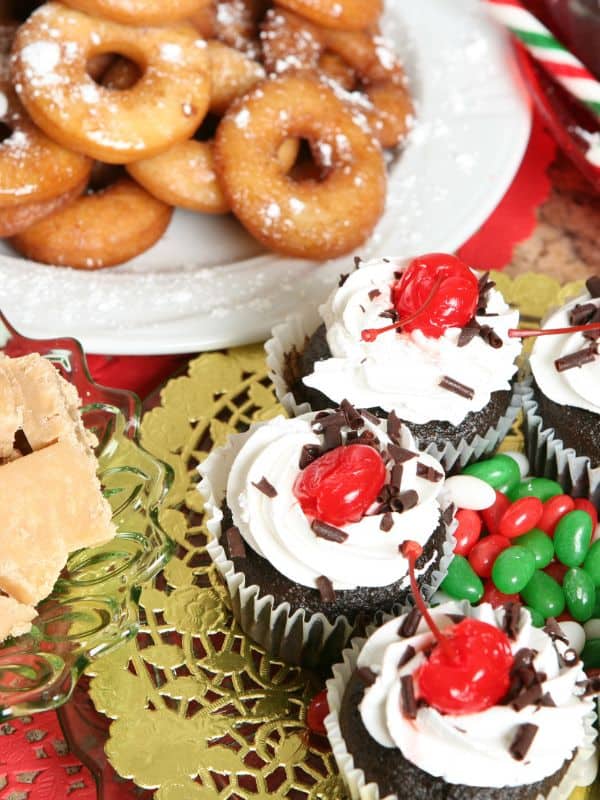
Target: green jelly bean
(596, 611)
(572, 537)
(544, 594)
(501, 472)
(592, 563)
(590, 654)
(537, 620)
(543, 488)
(462, 582)
(540, 544)
(580, 594)
(513, 569)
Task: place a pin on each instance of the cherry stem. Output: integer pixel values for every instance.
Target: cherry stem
(370, 334)
(411, 551)
(524, 333)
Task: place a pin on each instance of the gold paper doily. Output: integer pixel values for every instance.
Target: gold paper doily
(192, 696)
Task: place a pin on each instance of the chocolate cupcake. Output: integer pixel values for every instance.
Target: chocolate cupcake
(445, 369)
(307, 516)
(522, 729)
(562, 406)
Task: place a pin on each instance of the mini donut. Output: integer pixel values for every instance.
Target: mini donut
(14, 219)
(236, 24)
(140, 12)
(345, 15)
(165, 106)
(232, 74)
(308, 219)
(97, 230)
(335, 69)
(391, 115)
(204, 20)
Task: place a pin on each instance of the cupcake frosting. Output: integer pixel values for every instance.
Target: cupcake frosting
(275, 526)
(475, 749)
(577, 386)
(402, 371)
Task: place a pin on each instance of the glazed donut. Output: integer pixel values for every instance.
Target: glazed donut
(345, 15)
(185, 175)
(140, 12)
(97, 230)
(165, 106)
(308, 219)
(14, 219)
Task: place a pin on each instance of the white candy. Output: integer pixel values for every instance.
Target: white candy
(521, 459)
(466, 491)
(575, 633)
(591, 628)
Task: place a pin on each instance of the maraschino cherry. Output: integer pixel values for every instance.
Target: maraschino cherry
(340, 486)
(316, 713)
(436, 291)
(468, 669)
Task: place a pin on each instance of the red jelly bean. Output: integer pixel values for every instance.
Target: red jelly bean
(492, 515)
(340, 486)
(557, 571)
(468, 531)
(485, 552)
(495, 597)
(555, 508)
(523, 515)
(565, 617)
(583, 504)
(316, 713)
(453, 303)
(471, 672)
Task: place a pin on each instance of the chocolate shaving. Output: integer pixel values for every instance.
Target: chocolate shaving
(325, 420)
(409, 652)
(448, 514)
(367, 415)
(410, 623)
(458, 388)
(529, 697)
(390, 313)
(469, 332)
(569, 657)
(343, 278)
(546, 700)
(400, 454)
(374, 293)
(593, 285)
(265, 487)
(366, 676)
(21, 443)
(308, 454)
(235, 543)
(362, 308)
(325, 587)
(456, 617)
(398, 274)
(353, 417)
(357, 262)
(407, 697)
(404, 501)
(554, 631)
(581, 314)
(512, 615)
(387, 522)
(329, 532)
(396, 477)
(429, 473)
(490, 337)
(576, 359)
(394, 427)
(484, 286)
(594, 333)
(522, 741)
(591, 686)
(332, 437)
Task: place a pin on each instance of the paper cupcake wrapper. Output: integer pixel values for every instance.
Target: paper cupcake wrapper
(293, 333)
(582, 771)
(293, 635)
(548, 456)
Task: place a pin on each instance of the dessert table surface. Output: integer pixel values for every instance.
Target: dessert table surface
(547, 222)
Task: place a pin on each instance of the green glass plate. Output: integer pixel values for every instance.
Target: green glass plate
(93, 606)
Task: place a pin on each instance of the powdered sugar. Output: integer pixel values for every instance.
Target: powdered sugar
(40, 60)
(242, 118)
(172, 53)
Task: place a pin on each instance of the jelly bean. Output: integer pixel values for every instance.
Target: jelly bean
(536, 618)
(467, 532)
(580, 594)
(596, 533)
(544, 594)
(501, 472)
(575, 633)
(521, 460)
(513, 569)
(485, 552)
(555, 508)
(540, 545)
(590, 655)
(591, 629)
(596, 611)
(461, 582)
(591, 563)
(543, 488)
(583, 504)
(495, 597)
(523, 515)
(491, 516)
(572, 537)
(564, 617)
(557, 571)
(469, 492)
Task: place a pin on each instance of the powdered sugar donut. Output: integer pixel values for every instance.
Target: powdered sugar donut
(346, 15)
(140, 12)
(14, 219)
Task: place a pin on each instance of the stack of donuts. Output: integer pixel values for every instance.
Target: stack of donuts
(115, 111)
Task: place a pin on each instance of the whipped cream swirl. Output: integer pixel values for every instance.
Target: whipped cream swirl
(473, 749)
(402, 371)
(576, 387)
(277, 528)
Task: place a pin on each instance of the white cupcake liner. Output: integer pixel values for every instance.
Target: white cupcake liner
(295, 636)
(582, 771)
(294, 332)
(548, 456)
